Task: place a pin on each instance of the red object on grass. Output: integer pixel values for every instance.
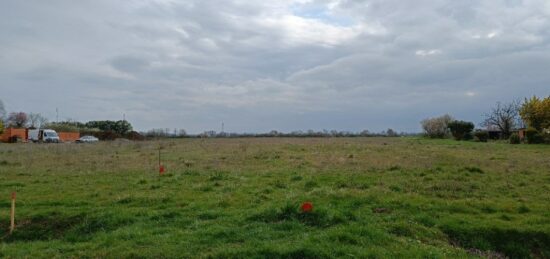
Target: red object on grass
(161, 169)
(307, 206)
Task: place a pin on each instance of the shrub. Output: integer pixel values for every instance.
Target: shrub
(536, 112)
(533, 136)
(481, 136)
(514, 138)
(460, 128)
(134, 135)
(105, 135)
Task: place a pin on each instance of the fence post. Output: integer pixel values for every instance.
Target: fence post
(12, 222)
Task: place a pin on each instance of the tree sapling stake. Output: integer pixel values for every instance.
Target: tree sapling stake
(12, 222)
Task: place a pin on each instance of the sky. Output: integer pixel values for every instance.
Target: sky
(281, 65)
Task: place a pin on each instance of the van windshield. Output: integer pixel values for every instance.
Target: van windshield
(50, 134)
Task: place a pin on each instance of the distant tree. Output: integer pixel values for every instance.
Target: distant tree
(1, 126)
(209, 134)
(36, 120)
(155, 133)
(437, 127)
(2, 111)
(182, 133)
(17, 119)
(69, 126)
(504, 116)
(391, 133)
(536, 113)
(364, 133)
(273, 133)
(460, 129)
(120, 127)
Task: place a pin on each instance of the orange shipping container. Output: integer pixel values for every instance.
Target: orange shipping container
(11, 133)
(68, 136)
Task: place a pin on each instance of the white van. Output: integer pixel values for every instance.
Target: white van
(43, 135)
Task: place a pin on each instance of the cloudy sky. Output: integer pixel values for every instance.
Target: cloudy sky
(262, 65)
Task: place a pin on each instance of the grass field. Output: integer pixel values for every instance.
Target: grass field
(372, 197)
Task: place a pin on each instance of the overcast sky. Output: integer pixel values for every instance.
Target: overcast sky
(263, 65)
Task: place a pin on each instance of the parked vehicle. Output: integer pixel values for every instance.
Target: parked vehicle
(43, 135)
(87, 139)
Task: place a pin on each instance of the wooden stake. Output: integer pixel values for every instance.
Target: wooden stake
(12, 225)
(161, 170)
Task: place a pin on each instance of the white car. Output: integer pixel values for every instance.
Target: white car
(87, 139)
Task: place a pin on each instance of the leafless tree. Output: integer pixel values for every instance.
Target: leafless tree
(504, 117)
(17, 119)
(36, 120)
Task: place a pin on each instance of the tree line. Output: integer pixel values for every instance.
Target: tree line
(274, 133)
(503, 121)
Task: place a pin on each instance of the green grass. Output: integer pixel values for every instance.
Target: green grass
(240, 198)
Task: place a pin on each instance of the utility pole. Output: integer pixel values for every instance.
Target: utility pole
(222, 126)
(56, 115)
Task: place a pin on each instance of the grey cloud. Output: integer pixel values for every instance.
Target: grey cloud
(259, 65)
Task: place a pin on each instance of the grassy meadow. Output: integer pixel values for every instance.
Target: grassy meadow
(240, 198)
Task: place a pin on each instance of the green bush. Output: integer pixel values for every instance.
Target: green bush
(460, 129)
(481, 136)
(514, 139)
(533, 136)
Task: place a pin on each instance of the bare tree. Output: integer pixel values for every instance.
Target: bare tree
(504, 117)
(36, 120)
(17, 119)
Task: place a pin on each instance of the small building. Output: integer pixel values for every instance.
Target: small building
(494, 132)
